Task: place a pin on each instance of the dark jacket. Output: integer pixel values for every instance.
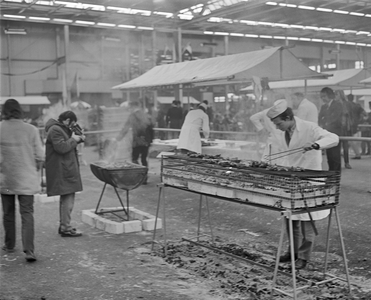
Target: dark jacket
(61, 162)
(174, 117)
(330, 118)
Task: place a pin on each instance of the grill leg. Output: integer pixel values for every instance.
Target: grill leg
(157, 212)
(199, 219)
(122, 204)
(279, 253)
(292, 256)
(327, 241)
(208, 215)
(100, 198)
(342, 247)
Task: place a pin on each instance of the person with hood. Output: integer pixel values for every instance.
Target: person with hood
(62, 167)
(297, 133)
(21, 156)
(190, 139)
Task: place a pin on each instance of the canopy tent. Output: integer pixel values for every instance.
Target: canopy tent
(27, 100)
(345, 79)
(274, 64)
(169, 100)
(80, 104)
(367, 80)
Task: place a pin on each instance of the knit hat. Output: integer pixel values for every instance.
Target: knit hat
(278, 108)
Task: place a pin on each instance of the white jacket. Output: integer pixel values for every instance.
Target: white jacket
(307, 111)
(307, 132)
(190, 138)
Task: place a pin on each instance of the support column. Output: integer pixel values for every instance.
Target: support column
(67, 100)
(127, 63)
(338, 57)
(226, 45)
(9, 66)
(180, 94)
(154, 58)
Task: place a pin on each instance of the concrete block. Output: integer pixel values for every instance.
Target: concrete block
(114, 227)
(132, 226)
(149, 224)
(89, 217)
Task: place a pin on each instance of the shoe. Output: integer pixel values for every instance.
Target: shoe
(300, 264)
(71, 233)
(8, 250)
(59, 230)
(347, 166)
(30, 256)
(287, 257)
(356, 157)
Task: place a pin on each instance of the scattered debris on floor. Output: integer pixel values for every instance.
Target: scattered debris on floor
(238, 279)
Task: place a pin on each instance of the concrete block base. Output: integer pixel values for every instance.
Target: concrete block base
(138, 221)
(43, 198)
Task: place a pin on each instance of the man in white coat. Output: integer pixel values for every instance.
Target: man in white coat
(195, 120)
(263, 123)
(305, 109)
(297, 133)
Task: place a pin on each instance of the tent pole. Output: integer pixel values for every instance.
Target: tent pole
(305, 87)
(66, 64)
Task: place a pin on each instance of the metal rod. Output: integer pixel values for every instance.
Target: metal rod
(278, 254)
(100, 198)
(210, 224)
(157, 212)
(241, 258)
(122, 204)
(199, 218)
(327, 241)
(164, 219)
(292, 252)
(342, 247)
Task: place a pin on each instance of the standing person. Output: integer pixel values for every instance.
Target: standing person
(346, 124)
(366, 146)
(306, 110)
(142, 130)
(297, 133)
(357, 113)
(209, 111)
(20, 158)
(190, 139)
(265, 127)
(174, 118)
(329, 118)
(62, 167)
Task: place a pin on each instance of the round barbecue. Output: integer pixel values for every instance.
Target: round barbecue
(120, 174)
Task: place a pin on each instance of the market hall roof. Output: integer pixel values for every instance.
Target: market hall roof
(273, 63)
(333, 21)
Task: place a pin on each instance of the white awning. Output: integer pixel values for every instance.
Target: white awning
(273, 63)
(367, 80)
(341, 79)
(27, 100)
(169, 100)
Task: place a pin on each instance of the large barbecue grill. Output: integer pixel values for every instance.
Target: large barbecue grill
(255, 182)
(123, 175)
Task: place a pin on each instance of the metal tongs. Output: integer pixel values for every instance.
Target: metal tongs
(283, 153)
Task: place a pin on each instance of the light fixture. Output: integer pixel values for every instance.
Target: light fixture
(15, 31)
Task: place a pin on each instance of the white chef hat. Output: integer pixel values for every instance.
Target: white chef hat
(278, 108)
(203, 105)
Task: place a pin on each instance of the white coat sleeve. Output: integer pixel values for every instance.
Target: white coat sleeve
(205, 126)
(325, 139)
(258, 119)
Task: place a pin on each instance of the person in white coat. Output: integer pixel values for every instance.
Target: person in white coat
(297, 133)
(263, 123)
(305, 109)
(195, 120)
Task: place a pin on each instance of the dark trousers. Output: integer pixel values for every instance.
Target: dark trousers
(345, 151)
(26, 211)
(334, 158)
(141, 151)
(304, 229)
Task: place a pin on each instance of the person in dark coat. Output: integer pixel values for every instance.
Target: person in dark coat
(174, 118)
(62, 167)
(330, 118)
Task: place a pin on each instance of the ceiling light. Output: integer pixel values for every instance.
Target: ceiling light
(361, 44)
(14, 16)
(317, 40)
(106, 24)
(362, 32)
(265, 36)
(306, 7)
(63, 20)
(236, 34)
(271, 3)
(357, 14)
(15, 31)
(328, 41)
(144, 28)
(251, 35)
(350, 43)
(221, 33)
(304, 39)
(84, 22)
(297, 26)
(208, 32)
(185, 16)
(343, 12)
(279, 37)
(339, 42)
(126, 26)
(325, 29)
(324, 9)
(39, 18)
(294, 38)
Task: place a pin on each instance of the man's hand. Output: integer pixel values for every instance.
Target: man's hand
(310, 146)
(78, 138)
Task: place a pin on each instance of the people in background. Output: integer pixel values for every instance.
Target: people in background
(142, 129)
(21, 157)
(346, 124)
(195, 121)
(329, 118)
(297, 133)
(174, 118)
(209, 111)
(305, 109)
(62, 167)
(357, 113)
(366, 146)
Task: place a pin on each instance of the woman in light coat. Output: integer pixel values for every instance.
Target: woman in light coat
(195, 120)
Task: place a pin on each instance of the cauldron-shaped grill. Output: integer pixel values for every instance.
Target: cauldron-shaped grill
(123, 175)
